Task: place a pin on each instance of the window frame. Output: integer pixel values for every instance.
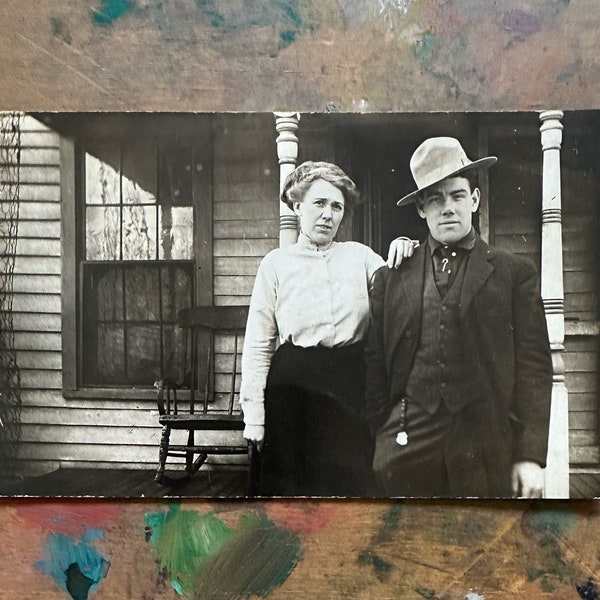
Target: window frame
(72, 169)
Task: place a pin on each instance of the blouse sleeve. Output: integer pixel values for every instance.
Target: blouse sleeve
(373, 263)
(259, 344)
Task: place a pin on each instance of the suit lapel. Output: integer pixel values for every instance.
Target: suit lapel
(405, 295)
(477, 272)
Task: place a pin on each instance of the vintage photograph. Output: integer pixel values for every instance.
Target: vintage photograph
(299, 304)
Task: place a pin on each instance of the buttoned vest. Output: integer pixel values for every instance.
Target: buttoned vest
(440, 372)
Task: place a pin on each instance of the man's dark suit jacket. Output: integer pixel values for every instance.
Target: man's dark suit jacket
(505, 340)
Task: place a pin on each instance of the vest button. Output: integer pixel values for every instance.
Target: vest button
(442, 327)
(443, 384)
(444, 308)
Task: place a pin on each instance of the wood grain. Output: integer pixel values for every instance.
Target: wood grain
(348, 55)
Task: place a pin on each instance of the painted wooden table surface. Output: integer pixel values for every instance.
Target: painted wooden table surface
(349, 55)
(299, 549)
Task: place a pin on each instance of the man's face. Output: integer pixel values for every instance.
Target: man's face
(447, 207)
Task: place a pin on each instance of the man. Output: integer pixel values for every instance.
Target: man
(459, 372)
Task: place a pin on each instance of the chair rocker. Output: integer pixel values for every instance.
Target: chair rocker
(205, 400)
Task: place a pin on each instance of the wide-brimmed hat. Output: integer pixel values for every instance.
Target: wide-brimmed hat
(438, 158)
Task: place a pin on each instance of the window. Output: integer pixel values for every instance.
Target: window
(134, 261)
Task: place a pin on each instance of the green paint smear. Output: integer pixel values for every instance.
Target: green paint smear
(423, 49)
(205, 559)
(182, 540)
(257, 560)
(111, 10)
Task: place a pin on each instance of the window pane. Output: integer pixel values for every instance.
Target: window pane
(143, 354)
(176, 230)
(143, 294)
(139, 232)
(102, 175)
(110, 296)
(176, 292)
(173, 352)
(102, 234)
(139, 174)
(110, 356)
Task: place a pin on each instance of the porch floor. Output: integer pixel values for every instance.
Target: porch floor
(224, 483)
(129, 483)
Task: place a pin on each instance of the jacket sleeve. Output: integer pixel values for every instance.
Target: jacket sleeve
(376, 386)
(533, 368)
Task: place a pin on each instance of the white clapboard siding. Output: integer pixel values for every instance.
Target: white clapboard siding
(36, 307)
(246, 204)
(580, 243)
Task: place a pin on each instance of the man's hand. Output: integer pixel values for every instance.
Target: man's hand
(527, 480)
(256, 434)
(400, 248)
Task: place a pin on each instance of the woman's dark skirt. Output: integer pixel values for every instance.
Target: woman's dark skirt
(317, 442)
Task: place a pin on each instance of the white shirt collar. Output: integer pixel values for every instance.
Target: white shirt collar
(305, 242)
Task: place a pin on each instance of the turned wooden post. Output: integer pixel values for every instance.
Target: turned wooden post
(286, 124)
(557, 470)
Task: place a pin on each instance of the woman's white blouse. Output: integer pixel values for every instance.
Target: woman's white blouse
(308, 297)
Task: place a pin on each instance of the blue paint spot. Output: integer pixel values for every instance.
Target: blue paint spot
(76, 566)
(111, 10)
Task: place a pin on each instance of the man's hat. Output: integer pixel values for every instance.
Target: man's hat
(438, 158)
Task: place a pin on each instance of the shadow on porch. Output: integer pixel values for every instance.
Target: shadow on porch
(213, 483)
(131, 483)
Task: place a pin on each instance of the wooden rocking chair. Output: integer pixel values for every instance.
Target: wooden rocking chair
(205, 399)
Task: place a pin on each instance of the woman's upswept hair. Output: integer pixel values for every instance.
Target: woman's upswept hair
(302, 177)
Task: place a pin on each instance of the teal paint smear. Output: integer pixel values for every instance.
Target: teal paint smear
(75, 565)
(381, 566)
(557, 521)
(423, 49)
(389, 526)
(182, 540)
(548, 526)
(390, 523)
(111, 10)
(284, 16)
(215, 18)
(256, 561)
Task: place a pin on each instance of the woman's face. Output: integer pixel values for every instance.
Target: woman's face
(321, 211)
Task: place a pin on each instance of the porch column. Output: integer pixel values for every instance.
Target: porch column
(286, 124)
(557, 471)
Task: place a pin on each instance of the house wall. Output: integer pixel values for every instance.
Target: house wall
(36, 302)
(91, 431)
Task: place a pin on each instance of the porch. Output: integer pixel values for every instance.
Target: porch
(220, 483)
(89, 410)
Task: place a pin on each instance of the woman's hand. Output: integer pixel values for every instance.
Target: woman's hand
(400, 248)
(256, 434)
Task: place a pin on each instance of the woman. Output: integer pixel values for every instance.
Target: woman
(304, 401)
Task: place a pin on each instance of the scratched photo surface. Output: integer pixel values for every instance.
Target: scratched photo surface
(116, 225)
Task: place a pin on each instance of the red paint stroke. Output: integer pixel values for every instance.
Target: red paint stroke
(71, 518)
(302, 517)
